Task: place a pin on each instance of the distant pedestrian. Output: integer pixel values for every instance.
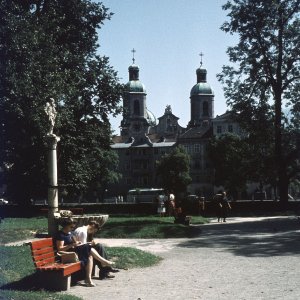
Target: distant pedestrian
(161, 209)
(201, 205)
(171, 208)
(222, 206)
(217, 200)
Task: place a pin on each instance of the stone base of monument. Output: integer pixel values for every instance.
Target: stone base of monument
(81, 220)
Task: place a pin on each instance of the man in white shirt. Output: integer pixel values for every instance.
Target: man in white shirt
(85, 234)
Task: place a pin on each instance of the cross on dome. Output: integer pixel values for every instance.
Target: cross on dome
(201, 55)
(133, 51)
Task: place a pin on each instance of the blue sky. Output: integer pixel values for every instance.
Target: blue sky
(168, 36)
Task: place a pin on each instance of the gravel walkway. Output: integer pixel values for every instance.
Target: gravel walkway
(245, 258)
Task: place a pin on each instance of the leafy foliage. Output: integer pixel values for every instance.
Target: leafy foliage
(228, 155)
(265, 76)
(48, 49)
(173, 169)
(238, 160)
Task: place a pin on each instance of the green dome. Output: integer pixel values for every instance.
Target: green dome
(135, 86)
(201, 88)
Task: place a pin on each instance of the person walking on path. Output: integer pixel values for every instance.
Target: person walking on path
(225, 206)
(222, 206)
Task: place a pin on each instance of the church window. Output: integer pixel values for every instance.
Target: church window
(219, 129)
(197, 148)
(136, 107)
(168, 125)
(205, 108)
(230, 128)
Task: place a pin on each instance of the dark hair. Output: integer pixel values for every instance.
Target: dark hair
(94, 224)
(67, 221)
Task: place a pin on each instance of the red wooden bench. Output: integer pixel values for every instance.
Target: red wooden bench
(52, 274)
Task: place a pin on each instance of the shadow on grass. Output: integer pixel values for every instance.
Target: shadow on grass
(139, 230)
(262, 238)
(27, 283)
(147, 228)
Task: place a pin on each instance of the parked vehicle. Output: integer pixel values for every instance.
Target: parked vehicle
(143, 195)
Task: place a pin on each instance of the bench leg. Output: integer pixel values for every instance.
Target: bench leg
(95, 271)
(52, 280)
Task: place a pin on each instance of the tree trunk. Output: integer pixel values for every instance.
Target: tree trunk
(283, 188)
(281, 166)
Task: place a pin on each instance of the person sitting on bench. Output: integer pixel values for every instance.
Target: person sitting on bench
(65, 242)
(86, 233)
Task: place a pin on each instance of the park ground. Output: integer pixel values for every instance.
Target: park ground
(245, 258)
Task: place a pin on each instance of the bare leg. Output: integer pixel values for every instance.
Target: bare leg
(88, 272)
(103, 261)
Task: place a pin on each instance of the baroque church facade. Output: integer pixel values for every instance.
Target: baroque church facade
(143, 141)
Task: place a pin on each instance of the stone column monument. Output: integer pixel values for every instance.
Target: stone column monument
(52, 141)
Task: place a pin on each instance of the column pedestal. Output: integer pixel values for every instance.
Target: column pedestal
(52, 141)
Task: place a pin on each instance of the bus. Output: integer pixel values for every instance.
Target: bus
(143, 195)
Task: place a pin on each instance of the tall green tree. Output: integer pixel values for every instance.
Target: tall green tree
(49, 49)
(238, 160)
(265, 75)
(228, 156)
(173, 170)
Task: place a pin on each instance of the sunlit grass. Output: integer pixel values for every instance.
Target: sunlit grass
(148, 227)
(16, 229)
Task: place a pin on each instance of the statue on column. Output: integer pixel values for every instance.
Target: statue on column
(50, 110)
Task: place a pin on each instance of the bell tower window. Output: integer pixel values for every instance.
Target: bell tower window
(205, 109)
(136, 107)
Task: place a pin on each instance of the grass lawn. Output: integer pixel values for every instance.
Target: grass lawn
(16, 229)
(148, 227)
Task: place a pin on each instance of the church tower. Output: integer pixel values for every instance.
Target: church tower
(202, 100)
(136, 118)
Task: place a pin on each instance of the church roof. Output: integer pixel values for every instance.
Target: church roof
(202, 88)
(135, 86)
(156, 139)
(144, 145)
(228, 115)
(197, 132)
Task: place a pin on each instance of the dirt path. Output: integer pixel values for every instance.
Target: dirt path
(246, 258)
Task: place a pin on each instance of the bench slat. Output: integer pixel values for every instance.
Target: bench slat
(67, 269)
(44, 257)
(44, 243)
(42, 251)
(44, 262)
